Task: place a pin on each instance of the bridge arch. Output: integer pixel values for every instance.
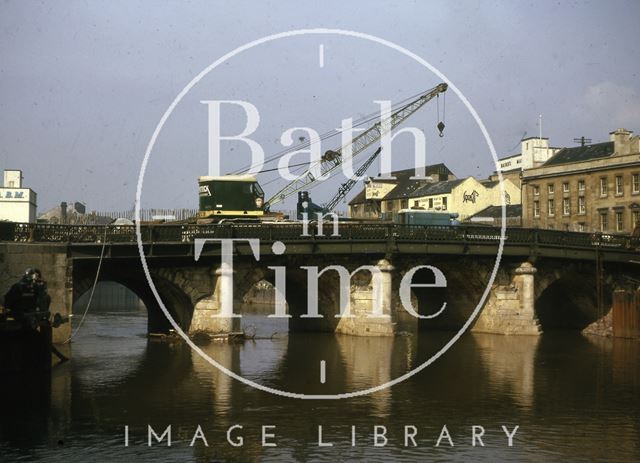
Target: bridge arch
(176, 299)
(247, 276)
(566, 296)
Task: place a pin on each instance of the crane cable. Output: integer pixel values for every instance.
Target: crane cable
(93, 288)
(365, 119)
(332, 133)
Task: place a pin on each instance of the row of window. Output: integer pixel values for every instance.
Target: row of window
(566, 207)
(619, 220)
(604, 186)
(604, 221)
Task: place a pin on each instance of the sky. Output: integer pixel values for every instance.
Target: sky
(83, 85)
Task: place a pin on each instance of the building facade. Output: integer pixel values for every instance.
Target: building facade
(17, 204)
(534, 151)
(464, 197)
(386, 196)
(587, 188)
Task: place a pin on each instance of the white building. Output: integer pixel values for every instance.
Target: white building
(17, 204)
(534, 152)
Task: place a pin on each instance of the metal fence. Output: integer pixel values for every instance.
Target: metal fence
(185, 233)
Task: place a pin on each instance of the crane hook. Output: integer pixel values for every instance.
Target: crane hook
(440, 127)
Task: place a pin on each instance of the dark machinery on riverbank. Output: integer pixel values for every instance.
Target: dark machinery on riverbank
(240, 197)
(26, 326)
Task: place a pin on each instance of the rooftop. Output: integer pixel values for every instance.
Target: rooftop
(437, 188)
(359, 198)
(581, 153)
(404, 184)
(510, 156)
(495, 212)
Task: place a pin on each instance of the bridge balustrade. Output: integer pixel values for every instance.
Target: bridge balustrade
(187, 233)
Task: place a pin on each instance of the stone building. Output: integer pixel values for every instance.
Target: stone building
(587, 188)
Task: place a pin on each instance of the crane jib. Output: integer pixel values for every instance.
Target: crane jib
(333, 159)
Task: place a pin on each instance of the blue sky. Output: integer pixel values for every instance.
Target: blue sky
(83, 84)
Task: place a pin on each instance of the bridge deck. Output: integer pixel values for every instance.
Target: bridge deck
(168, 240)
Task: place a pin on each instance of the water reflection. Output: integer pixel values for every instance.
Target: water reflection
(509, 365)
(573, 397)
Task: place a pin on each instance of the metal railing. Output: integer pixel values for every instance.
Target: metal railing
(363, 232)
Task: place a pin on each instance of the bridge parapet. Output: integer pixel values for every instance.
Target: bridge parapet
(187, 233)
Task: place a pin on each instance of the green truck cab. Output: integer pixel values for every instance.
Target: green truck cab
(230, 196)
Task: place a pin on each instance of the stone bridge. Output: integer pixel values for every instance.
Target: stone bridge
(546, 279)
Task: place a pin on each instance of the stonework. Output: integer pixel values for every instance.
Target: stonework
(592, 193)
(510, 309)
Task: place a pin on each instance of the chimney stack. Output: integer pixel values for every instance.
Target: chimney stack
(63, 212)
(621, 141)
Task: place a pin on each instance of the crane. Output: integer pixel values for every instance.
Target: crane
(333, 159)
(238, 197)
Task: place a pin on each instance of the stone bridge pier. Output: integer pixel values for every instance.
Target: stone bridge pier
(307, 308)
(525, 298)
(508, 309)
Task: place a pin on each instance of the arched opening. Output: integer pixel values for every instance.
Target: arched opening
(569, 303)
(461, 293)
(256, 306)
(125, 290)
(110, 296)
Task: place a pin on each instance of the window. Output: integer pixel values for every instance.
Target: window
(565, 187)
(551, 188)
(604, 221)
(566, 206)
(551, 207)
(603, 186)
(635, 183)
(444, 203)
(404, 203)
(536, 208)
(416, 203)
(619, 221)
(582, 205)
(430, 203)
(536, 190)
(635, 218)
(581, 227)
(389, 206)
(619, 186)
(581, 186)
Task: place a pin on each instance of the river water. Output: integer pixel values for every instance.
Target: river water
(573, 398)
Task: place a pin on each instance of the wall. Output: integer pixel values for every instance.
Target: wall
(377, 189)
(52, 261)
(463, 201)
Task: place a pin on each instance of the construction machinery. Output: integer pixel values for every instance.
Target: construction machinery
(240, 196)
